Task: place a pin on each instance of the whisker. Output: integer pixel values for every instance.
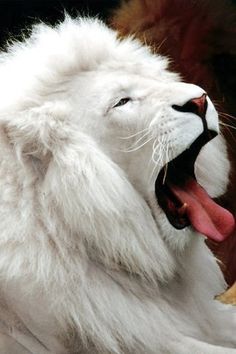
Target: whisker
(151, 158)
(138, 147)
(226, 116)
(152, 174)
(133, 135)
(160, 147)
(141, 138)
(217, 104)
(160, 155)
(166, 165)
(157, 158)
(160, 45)
(165, 173)
(154, 153)
(227, 125)
(154, 160)
(232, 135)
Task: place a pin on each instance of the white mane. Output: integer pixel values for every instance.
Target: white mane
(88, 261)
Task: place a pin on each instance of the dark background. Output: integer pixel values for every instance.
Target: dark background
(16, 15)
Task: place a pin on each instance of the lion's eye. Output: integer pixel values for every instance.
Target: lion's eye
(122, 102)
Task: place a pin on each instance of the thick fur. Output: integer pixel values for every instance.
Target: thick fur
(199, 38)
(88, 261)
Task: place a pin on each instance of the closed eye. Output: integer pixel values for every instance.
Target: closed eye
(122, 102)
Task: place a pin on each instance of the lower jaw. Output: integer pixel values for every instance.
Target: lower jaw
(177, 240)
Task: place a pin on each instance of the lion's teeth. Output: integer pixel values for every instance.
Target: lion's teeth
(182, 209)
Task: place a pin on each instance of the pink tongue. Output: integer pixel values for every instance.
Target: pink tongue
(205, 215)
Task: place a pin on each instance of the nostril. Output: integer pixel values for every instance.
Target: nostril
(197, 106)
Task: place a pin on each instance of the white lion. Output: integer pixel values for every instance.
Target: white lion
(100, 250)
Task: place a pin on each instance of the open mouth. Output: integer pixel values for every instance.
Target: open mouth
(185, 202)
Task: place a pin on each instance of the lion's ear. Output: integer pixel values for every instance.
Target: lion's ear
(38, 132)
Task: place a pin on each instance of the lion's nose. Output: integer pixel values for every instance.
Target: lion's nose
(197, 106)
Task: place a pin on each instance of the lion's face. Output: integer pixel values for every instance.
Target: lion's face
(144, 121)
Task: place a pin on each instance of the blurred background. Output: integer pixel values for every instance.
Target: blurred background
(16, 15)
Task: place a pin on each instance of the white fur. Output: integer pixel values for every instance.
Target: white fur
(88, 261)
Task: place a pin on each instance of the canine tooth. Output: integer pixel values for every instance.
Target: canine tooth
(182, 209)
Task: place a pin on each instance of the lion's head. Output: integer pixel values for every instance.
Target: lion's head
(113, 138)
